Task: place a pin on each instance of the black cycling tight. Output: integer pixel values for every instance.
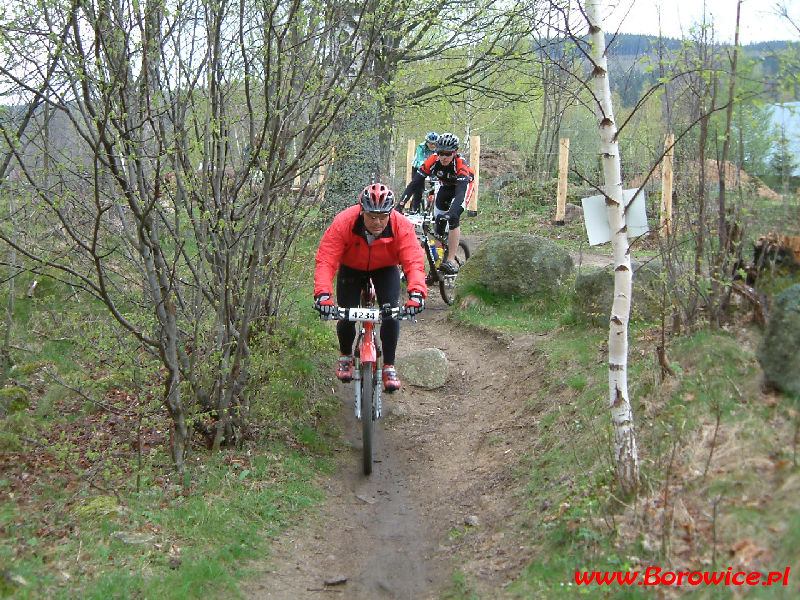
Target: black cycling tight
(348, 293)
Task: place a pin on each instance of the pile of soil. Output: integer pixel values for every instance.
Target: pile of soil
(499, 161)
(733, 175)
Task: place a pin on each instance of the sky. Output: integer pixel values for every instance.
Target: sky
(758, 20)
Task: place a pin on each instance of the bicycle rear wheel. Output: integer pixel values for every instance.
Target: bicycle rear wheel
(367, 413)
(447, 283)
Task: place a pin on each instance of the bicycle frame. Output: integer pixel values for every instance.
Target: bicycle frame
(430, 196)
(367, 350)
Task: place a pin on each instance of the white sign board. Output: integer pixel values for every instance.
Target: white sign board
(596, 218)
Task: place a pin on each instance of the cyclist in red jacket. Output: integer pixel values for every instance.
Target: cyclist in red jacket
(458, 182)
(369, 240)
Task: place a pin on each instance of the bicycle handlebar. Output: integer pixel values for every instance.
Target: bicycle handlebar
(360, 314)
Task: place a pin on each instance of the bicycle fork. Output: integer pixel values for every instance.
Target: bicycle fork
(357, 384)
(368, 352)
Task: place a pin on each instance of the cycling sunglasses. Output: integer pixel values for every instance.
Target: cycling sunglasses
(445, 153)
(376, 215)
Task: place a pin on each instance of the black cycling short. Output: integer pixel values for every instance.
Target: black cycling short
(444, 202)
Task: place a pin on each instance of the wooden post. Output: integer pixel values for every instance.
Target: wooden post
(296, 181)
(563, 171)
(475, 163)
(412, 150)
(666, 185)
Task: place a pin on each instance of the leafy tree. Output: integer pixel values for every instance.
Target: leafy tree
(789, 57)
(783, 162)
(189, 136)
(753, 135)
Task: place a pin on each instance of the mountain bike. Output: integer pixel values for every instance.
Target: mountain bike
(435, 247)
(367, 376)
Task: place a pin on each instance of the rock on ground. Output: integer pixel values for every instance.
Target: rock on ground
(517, 265)
(426, 368)
(779, 353)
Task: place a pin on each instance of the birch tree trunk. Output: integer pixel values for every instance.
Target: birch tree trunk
(621, 414)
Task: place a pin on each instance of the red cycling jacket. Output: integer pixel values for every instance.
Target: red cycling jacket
(345, 243)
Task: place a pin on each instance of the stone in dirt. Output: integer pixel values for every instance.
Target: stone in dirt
(426, 368)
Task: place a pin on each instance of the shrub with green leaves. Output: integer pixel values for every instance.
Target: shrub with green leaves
(13, 399)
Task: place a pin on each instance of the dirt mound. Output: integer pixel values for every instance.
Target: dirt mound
(733, 176)
(498, 161)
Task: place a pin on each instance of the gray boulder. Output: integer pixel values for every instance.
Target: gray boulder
(779, 352)
(425, 368)
(515, 265)
(594, 292)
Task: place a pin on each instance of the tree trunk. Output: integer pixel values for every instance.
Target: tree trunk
(625, 451)
(727, 243)
(5, 352)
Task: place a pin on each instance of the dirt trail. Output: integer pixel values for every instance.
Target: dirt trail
(442, 493)
(442, 457)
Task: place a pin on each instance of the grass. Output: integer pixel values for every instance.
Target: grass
(709, 434)
(514, 315)
(157, 544)
(459, 588)
(525, 215)
(83, 514)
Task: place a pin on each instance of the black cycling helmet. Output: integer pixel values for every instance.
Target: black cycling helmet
(447, 142)
(377, 197)
(432, 137)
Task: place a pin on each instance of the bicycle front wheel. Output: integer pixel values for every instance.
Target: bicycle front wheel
(447, 283)
(367, 413)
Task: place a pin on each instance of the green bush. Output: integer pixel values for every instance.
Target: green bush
(13, 399)
(14, 427)
(525, 193)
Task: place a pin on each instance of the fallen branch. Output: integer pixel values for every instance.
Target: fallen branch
(102, 405)
(750, 293)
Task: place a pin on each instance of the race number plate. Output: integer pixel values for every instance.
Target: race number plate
(364, 314)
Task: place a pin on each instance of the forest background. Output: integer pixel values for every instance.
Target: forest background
(166, 170)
